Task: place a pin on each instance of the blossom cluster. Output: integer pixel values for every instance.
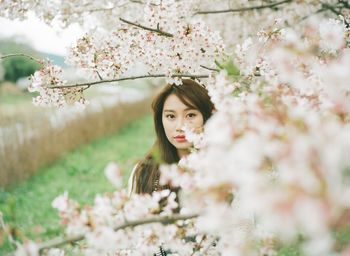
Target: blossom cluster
(177, 45)
(274, 165)
(63, 13)
(101, 225)
(281, 166)
(47, 82)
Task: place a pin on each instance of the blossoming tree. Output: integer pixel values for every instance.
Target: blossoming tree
(277, 172)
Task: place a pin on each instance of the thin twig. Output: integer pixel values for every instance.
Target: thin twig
(94, 10)
(158, 31)
(243, 9)
(126, 78)
(59, 241)
(200, 244)
(212, 69)
(99, 76)
(20, 55)
(307, 17)
(209, 246)
(140, 2)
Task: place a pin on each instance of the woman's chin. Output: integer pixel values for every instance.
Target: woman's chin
(182, 145)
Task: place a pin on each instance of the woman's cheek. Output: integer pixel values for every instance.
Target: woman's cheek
(168, 129)
(197, 125)
(199, 129)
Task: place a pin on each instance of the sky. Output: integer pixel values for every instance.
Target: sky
(39, 35)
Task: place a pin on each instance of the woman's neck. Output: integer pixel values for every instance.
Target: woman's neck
(183, 152)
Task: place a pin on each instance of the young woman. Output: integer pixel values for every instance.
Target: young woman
(175, 106)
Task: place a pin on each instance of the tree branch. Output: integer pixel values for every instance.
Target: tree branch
(20, 55)
(158, 31)
(326, 6)
(243, 9)
(125, 78)
(59, 241)
(140, 2)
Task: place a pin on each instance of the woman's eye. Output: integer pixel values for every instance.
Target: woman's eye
(170, 116)
(191, 115)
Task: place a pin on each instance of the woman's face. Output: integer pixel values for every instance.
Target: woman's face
(174, 117)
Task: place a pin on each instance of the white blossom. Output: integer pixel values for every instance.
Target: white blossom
(332, 33)
(114, 175)
(61, 202)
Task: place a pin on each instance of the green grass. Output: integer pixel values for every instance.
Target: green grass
(13, 99)
(27, 206)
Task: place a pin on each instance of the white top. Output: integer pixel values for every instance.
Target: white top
(131, 184)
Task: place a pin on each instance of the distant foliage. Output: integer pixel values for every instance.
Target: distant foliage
(2, 72)
(17, 67)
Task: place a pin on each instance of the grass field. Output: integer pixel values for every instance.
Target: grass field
(11, 99)
(27, 206)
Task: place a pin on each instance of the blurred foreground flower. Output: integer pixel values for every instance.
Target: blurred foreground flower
(114, 175)
(28, 248)
(61, 202)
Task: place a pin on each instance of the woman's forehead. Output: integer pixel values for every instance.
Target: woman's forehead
(173, 103)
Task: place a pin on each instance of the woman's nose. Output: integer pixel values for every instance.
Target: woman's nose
(180, 124)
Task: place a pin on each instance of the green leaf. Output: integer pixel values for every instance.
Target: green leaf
(218, 65)
(231, 68)
(95, 57)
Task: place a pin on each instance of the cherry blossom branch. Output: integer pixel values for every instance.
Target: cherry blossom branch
(125, 78)
(243, 9)
(20, 55)
(157, 30)
(59, 241)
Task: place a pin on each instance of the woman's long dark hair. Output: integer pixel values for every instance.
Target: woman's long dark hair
(192, 95)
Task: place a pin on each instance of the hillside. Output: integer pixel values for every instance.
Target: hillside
(13, 45)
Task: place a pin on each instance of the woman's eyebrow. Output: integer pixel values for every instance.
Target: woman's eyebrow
(186, 109)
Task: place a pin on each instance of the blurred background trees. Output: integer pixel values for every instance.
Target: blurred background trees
(17, 67)
(14, 68)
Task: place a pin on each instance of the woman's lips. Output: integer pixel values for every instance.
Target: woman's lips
(180, 138)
